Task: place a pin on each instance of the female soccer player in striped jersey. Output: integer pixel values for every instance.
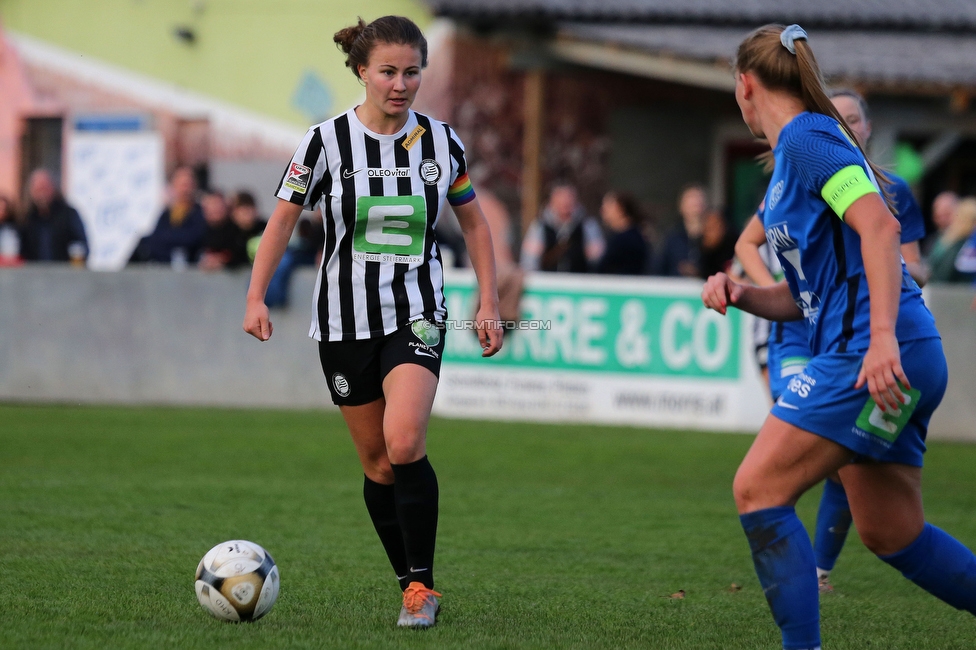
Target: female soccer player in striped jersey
(788, 349)
(877, 370)
(380, 174)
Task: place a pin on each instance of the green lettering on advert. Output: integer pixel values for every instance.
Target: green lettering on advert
(630, 333)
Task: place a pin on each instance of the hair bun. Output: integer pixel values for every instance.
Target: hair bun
(346, 36)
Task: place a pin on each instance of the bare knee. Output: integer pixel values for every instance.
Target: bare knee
(886, 540)
(405, 445)
(377, 468)
(744, 492)
(752, 493)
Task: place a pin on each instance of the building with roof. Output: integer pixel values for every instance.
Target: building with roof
(638, 94)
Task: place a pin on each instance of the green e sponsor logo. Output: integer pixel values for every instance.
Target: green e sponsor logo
(888, 424)
(390, 229)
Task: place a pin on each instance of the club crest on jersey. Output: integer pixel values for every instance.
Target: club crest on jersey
(430, 171)
(341, 384)
(775, 195)
(298, 178)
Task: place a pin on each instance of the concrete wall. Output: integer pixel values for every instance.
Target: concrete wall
(152, 335)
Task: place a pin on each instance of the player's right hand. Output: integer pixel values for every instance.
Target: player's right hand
(257, 321)
(720, 291)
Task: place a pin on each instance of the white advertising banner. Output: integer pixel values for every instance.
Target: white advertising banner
(606, 349)
(116, 182)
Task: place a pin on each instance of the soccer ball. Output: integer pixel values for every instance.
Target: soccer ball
(237, 581)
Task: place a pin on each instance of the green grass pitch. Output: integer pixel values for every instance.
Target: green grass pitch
(550, 536)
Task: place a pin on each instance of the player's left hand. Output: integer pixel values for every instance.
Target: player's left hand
(489, 328)
(881, 370)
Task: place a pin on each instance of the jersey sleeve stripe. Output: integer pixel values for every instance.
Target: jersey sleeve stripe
(309, 153)
(461, 192)
(457, 151)
(845, 187)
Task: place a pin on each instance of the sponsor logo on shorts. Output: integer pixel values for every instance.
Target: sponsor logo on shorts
(423, 351)
(792, 407)
(298, 178)
(889, 424)
(426, 331)
(801, 384)
(341, 384)
(430, 171)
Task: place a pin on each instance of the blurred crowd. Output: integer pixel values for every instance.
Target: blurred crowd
(212, 231)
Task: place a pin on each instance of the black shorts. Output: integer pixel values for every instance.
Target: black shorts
(355, 370)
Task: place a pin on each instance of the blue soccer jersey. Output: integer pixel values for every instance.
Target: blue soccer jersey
(819, 173)
(908, 212)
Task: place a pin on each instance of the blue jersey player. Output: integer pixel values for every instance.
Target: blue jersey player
(788, 350)
(834, 514)
(877, 370)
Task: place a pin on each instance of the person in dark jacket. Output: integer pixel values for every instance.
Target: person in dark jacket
(53, 231)
(563, 238)
(181, 230)
(627, 249)
(681, 252)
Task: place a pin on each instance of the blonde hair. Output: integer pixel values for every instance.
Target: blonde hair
(764, 54)
(963, 221)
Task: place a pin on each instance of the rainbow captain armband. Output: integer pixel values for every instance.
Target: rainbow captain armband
(461, 191)
(845, 187)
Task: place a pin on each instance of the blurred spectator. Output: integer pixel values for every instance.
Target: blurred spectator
(681, 254)
(511, 278)
(942, 258)
(53, 231)
(943, 209)
(181, 229)
(218, 244)
(9, 234)
(965, 262)
(627, 249)
(563, 238)
(450, 240)
(717, 245)
(304, 249)
(244, 214)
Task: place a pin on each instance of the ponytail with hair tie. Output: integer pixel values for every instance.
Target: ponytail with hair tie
(790, 35)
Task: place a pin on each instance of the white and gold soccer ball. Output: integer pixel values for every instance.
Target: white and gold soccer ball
(237, 581)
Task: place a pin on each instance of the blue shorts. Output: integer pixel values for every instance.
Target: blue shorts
(789, 353)
(822, 400)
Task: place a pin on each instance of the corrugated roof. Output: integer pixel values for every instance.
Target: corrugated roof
(889, 58)
(944, 15)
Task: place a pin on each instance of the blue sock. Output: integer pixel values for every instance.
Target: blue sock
(783, 556)
(940, 565)
(833, 522)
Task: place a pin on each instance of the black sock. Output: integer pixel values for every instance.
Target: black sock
(381, 504)
(416, 505)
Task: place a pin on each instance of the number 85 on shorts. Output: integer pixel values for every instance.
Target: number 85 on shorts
(390, 229)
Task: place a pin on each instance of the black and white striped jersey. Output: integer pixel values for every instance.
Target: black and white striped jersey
(380, 197)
